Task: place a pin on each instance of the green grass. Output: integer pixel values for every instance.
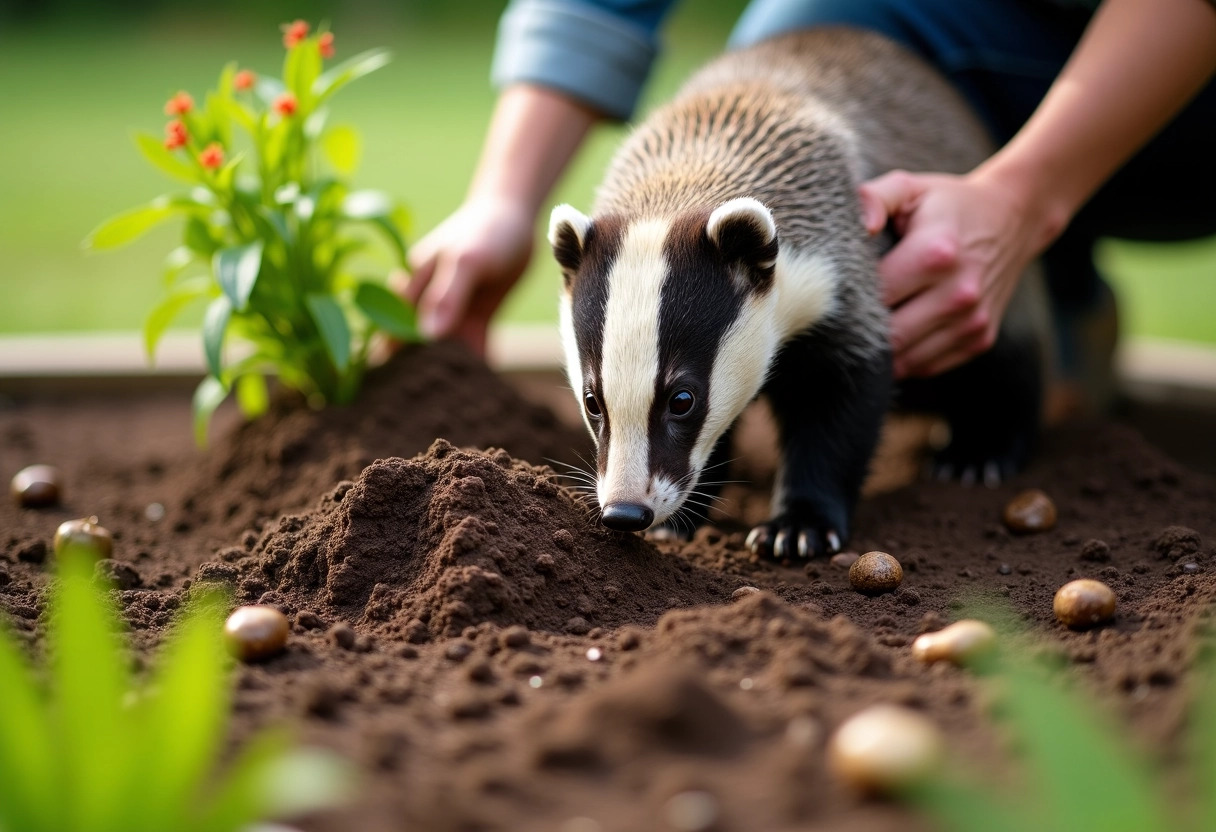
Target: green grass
(70, 98)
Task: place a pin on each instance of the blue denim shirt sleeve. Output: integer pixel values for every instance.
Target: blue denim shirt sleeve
(598, 51)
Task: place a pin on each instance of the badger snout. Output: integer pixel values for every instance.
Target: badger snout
(627, 517)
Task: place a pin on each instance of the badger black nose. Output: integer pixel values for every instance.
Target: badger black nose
(626, 517)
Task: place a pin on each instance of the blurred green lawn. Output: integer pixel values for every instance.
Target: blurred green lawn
(69, 100)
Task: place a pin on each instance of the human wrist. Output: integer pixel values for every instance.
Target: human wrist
(1043, 201)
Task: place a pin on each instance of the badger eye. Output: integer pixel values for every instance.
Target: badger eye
(681, 402)
(592, 405)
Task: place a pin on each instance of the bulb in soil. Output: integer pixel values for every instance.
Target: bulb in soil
(875, 573)
(36, 486)
(961, 642)
(1084, 603)
(1031, 511)
(884, 748)
(255, 632)
(85, 536)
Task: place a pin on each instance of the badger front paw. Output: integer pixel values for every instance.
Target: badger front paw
(796, 535)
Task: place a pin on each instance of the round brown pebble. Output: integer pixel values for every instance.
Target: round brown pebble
(255, 632)
(884, 748)
(844, 560)
(84, 535)
(37, 486)
(1031, 511)
(743, 592)
(875, 573)
(958, 643)
(1084, 603)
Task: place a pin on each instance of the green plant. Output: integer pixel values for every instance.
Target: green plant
(83, 748)
(1074, 770)
(271, 236)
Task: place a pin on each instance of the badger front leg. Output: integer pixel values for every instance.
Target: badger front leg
(829, 406)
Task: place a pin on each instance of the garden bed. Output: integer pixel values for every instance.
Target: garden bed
(492, 661)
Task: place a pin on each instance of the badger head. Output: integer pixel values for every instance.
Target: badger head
(668, 331)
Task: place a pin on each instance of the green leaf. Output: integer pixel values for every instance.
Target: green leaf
(155, 152)
(236, 270)
(342, 74)
(301, 67)
(343, 148)
(188, 701)
(176, 262)
(1203, 709)
(241, 798)
(129, 225)
(89, 676)
(215, 325)
(218, 112)
(387, 311)
(209, 395)
(305, 781)
(198, 238)
(335, 332)
(29, 789)
(251, 394)
(164, 313)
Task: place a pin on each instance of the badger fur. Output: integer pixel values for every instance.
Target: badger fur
(725, 257)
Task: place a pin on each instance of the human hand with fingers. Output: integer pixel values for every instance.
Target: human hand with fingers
(464, 268)
(965, 241)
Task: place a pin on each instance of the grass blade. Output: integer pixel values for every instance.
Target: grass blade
(28, 791)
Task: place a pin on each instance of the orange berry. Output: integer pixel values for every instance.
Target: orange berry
(212, 156)
(244, 80)
(326, 44)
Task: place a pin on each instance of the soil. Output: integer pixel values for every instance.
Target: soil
(492, 660)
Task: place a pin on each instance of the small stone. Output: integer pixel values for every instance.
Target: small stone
(37, 486)
(1004, 569)
(1084, 603)
(255, 632)
(594, 654)
(743, 592)
(959, 643)
(343, 635)
(155, 512)
(1190, 568)
(84, 535)
(875, 573)
(515, 637)
(1031, 511)
(844, 560)
(884, 748)
(691, 811)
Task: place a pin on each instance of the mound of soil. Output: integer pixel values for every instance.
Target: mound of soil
(492, 661)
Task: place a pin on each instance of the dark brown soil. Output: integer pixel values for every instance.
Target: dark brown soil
(493, 661)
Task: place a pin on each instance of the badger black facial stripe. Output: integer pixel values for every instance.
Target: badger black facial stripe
(699, 302)
(585, 311)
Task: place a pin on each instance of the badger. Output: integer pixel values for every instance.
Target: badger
(725, 258)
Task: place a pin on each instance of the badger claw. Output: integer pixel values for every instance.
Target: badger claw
(787, 540)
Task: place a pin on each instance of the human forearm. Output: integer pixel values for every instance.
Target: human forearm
(533, 134)
(1136, 67)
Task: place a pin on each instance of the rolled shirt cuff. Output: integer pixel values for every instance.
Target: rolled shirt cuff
(577, 49)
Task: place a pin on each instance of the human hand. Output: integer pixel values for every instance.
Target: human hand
(464, 268)
(964, 243)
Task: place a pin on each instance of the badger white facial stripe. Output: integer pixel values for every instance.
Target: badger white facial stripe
(629, 363)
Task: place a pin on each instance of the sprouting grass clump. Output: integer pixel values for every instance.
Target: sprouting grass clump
(274, 236)
(86, 748)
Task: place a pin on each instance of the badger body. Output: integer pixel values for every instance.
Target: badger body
(725, 257)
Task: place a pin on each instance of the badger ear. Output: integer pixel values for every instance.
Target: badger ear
(745, 232)
(568, 229)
